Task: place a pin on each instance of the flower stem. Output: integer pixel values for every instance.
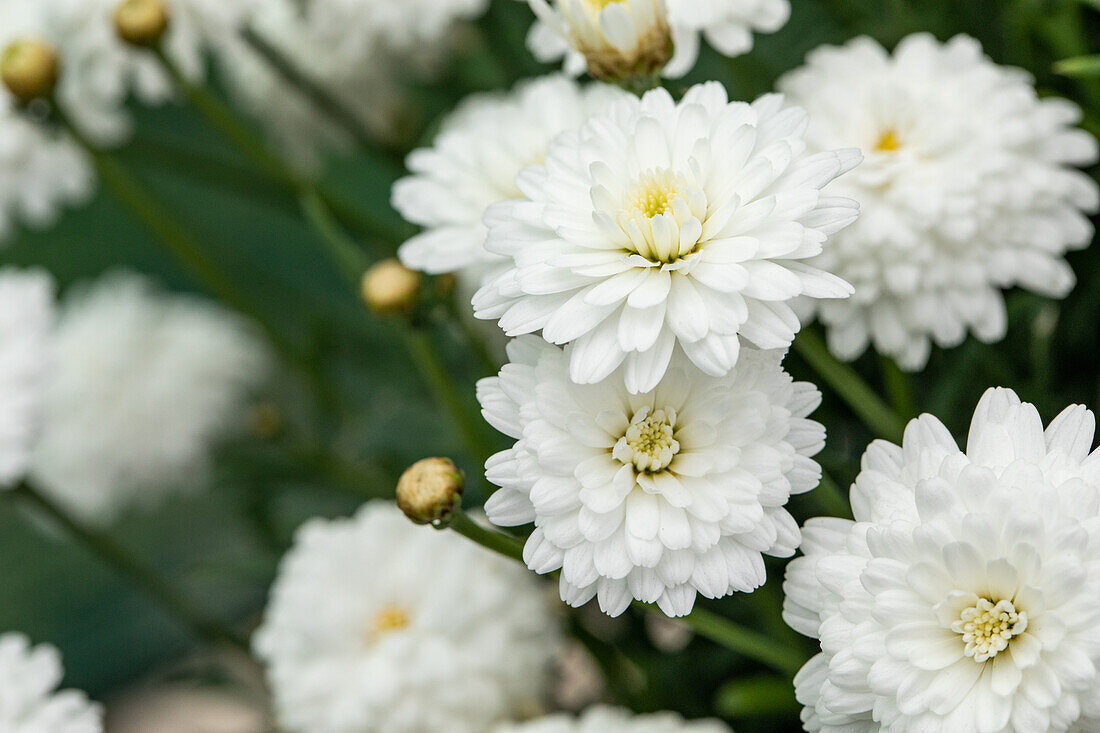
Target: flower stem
(496, 541)
(899, 389)
(125, 563)
(832, 499)
(850, 387)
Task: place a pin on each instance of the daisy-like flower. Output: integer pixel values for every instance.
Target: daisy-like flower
(657, 496)
(964, 596)
(474, 163)
(26, 320)
(640, 27)
(375, 624)
(29, 699)
(602, 719)
(968, 187)
(662, 225)
(141, 388)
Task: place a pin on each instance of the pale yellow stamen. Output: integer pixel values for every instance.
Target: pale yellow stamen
(386, 621)
(649, 443)
(987, 628)
(888, 142)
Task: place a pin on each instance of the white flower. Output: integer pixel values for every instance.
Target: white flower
(602, 719)
(727, 27)
(29, 700)
(655, 496)
(661, 225)
(375, 624)
(964, 596)
(474, 163)
(142, 386)
(26, 320)
(968, 188)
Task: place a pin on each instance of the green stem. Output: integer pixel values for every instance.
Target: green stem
(832, 499)
(899, 389)
(755, 697)
(351, 260)
(488, 364)
(123, 561)
(850, 387)
(495, 541)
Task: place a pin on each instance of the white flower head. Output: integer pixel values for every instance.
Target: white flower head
(29, 699)
(26, 321)
(665, 226)
(968, 187)
(375, 624)
(964, 596)
(622, 26)
(657, 496)
(603, 719)
(474, 163)
(142, 386)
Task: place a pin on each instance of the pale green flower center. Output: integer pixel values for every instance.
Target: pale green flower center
(987, 628)
(649, 443)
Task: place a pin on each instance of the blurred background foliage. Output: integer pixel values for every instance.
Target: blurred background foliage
(377, 416)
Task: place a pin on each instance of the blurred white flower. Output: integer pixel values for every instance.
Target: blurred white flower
(26, 322)
(968, 187)
(727, 27)
(142, 386)
(29, 700)
(662, 225)
(602, 719)
(474, 162)
(964, 596)
(655, 496)
(375, 624)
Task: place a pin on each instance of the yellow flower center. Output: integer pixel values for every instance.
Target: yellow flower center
(599, 4)
(652, 195)
(987, 628)
(649, 443)
(888, 142)
(386, 621)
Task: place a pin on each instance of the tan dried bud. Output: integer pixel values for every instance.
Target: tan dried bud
(430, 490)
(29, 68)
(389, 287)
(141, 22)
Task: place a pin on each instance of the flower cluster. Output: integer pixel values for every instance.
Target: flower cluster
(29, 700)
(968, 187)
(963, 597)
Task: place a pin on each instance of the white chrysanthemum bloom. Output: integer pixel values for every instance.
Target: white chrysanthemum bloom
(360, 76)
(727, 26)
(602, 719)
(658, 496)
(474, 163)
(968, 187)
(29, 699)
(26, 322)
(664, 225)
(375, 624)
(964, 596)
(142, 386)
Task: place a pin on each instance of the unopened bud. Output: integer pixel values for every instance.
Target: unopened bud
(430, 490)
(141, 22)
(389, 287)
(29, 68)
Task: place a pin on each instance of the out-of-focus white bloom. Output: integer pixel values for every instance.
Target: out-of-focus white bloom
(664, 225)
(474, 163)
(375, 624)
(142, 386)
(26, 320)
(968, 187)
(964, 596)
(727, 27)
(360, 76)
(602, 719)
(656, 496)
(29, 700)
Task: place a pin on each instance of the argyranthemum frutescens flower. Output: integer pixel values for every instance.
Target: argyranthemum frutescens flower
(375, 624)
(602, 719)
(657, 496)
(964, 596)
(665, 226)
(29, 699)
(474, 162)
(640, 30)
(968, 187)
(26, 322)
(141, 388)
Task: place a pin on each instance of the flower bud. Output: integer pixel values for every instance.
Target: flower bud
(430, 490)
(29, 68)
(622, 41)
(389, 287)
(141, 22)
